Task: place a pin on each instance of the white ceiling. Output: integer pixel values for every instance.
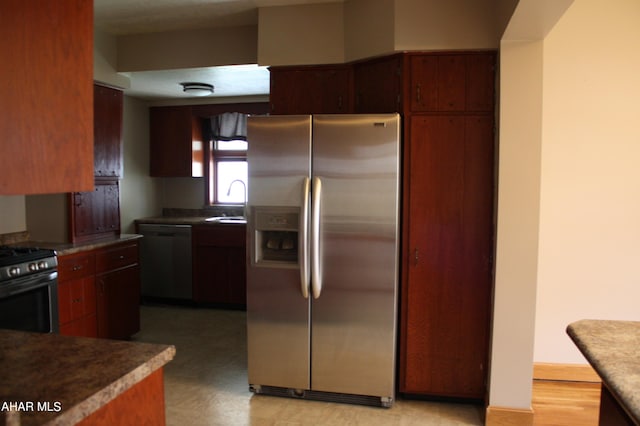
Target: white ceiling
(119, 17)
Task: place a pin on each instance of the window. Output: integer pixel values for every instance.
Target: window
(225, 158)
(227, 164)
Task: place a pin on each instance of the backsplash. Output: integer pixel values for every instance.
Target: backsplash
(13, 237)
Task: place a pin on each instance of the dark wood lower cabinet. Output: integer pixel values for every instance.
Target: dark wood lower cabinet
(77, 295)
(446, 300)
(219, 265)
(99, 292)
(118, 303)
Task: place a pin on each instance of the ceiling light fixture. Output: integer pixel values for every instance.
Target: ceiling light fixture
(197, 89)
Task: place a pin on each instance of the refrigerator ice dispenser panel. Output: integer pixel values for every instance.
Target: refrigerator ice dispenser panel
(276, 236)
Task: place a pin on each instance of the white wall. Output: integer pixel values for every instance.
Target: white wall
(105, 60)
(368, 28)
(187, 49)
(518, 215)
(183, 193)
(590, 183)
(517, 232)
(139, 193)
(302, 34)
(441, 25)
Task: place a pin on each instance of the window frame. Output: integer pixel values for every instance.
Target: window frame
(213, 157)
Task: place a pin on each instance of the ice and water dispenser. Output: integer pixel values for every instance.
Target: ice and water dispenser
(276, 236)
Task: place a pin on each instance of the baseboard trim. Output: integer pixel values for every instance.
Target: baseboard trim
(565, 372)
(506, 416)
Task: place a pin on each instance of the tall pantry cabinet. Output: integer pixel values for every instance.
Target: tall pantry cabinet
(447, 224)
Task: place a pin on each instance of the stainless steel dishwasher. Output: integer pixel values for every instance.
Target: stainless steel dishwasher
(165, 261)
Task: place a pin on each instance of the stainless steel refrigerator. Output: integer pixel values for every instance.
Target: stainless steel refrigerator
(322, 241)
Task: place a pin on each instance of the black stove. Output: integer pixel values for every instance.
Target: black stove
(17, 262)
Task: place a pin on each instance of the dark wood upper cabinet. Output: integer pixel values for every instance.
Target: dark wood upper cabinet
(46, 83)
(378, 85)
(321, 89)
(452, 82)
(107, 110)
(176, 136)
(481, 75)
(176, 142)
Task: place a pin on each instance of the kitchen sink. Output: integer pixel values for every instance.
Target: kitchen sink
(227, 219)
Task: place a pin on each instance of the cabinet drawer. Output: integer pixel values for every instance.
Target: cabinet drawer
(116, 257)
(75, 266)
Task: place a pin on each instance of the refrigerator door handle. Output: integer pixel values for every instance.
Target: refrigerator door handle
(316, 275)
(303, 239)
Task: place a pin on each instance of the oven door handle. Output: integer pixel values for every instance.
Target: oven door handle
(28, 283)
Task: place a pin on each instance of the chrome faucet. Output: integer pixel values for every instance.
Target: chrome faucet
(244, 207)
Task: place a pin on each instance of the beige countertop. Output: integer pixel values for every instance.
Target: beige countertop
(70, 248)
(183, 220)
(612, 349)
(72, 376)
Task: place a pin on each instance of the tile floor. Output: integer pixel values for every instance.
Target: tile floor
(206, 383)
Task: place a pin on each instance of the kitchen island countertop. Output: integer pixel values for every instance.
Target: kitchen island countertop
(61, 380)
(611, 347)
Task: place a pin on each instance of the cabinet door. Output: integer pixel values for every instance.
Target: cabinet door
(77, 308)
(336, 89)
(447, 302)
(294, 91)
(310, 90)
(46, 85)
(213, 269)
(83, 327)
(118, 303)
(76, 299)
(438, 83)
(175, 138)
(448, 83)
(219, 264)
(96, 212)
(480, 82)
(107, 131)
(378, 85)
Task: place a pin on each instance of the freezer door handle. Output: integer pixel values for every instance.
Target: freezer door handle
(303, 239)
(316, 275)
